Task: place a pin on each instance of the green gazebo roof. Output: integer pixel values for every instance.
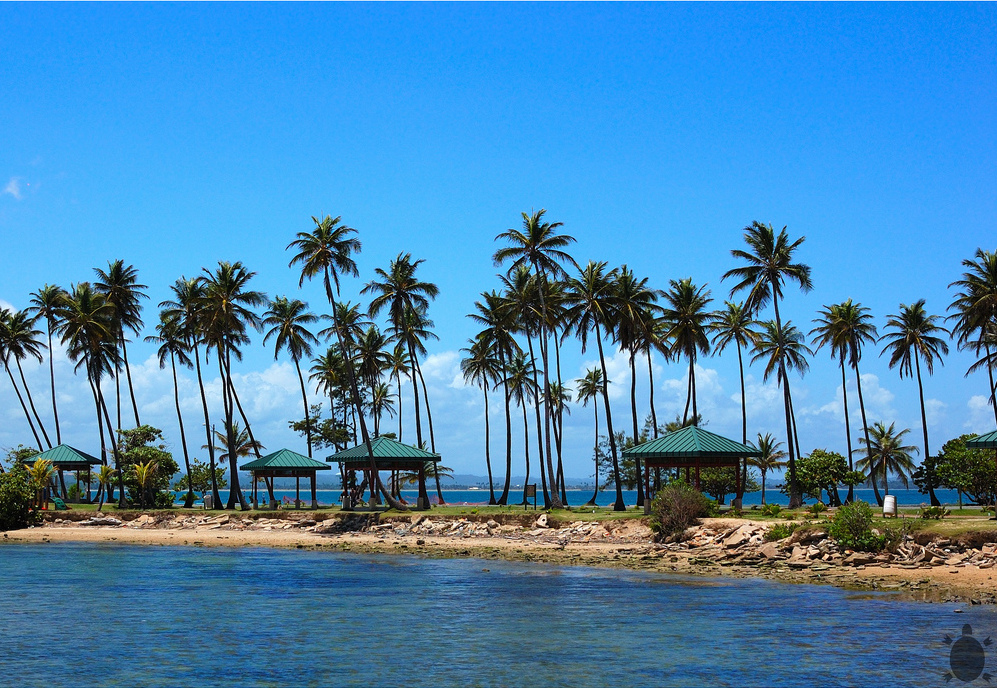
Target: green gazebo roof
(988, 441)
(691, 442)
(384, 448)
(285, 460)
(67, 458)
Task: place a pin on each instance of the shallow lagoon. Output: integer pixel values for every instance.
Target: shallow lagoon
(84, 614)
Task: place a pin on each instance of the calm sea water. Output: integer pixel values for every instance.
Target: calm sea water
(117, 615)
(608, 497)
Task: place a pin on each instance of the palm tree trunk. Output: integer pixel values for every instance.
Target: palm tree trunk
(27, 414)
(189, 501)
(744, 427)
(924, 427)
(619, 505)
(795, 498)
(488, 456)
(504, 498)
(540, 429)
(304, 400)
(526, 446)
(865, 429)
(31, 403)
(650, 379)
(210, 440)
(993, 389)
(432, 436)
(114, 448)
(692, 377)
(633, 410)
(848, 431)
(51, 373)
(688, 397)
(595, 454)
(559, 436)
(556, 498)
(128, 373)
(763, 488)
(398, 383)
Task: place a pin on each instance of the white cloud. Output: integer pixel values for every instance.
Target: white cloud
(13, 188)
(981, 415)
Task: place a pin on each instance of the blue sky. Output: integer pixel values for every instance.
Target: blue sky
(173, 136)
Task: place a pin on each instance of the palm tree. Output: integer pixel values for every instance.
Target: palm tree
(18, 340)
(539, 245)
(975, 314)
(635, 318)
(783, 350)
(733, 325)
(226, 314)
(48, 303)
(105, 480)
(590, 388)
(686, 317)
(144, 474)
(913, 336)
(769, 265)
(120, 285)
(242, 445)
(173, 347)
(288, 320)
(188, 295)
(771, 458)
(327, 251)
(886, 454)
(520, 376)
(416, 331)
(592, 306)
(397, 365)
(560, 397)
(481, 367)
(499, 322)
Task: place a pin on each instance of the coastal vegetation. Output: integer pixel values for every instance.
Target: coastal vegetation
(544, 300)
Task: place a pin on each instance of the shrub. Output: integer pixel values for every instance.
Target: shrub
(678, 506)
(851, 527)
(16, 498)
(781, 531)
(771, 510)
(816, 509)
(934, 512)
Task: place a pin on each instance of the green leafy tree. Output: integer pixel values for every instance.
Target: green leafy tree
(17, 497)
(145, 445)
(722, 481)
(198, 479)
(822, 471)
(970, 471)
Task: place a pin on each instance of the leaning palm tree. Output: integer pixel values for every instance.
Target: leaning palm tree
(327, 251)
(589, 389)
(770, 459)
(912, 336)
(288, 321)
(481, 367)
(121, 288)
(887, 454)
(975, 314)
(19, 340)
(783, 350)
(173, 348)
(539, 245)
(687, 318)
(48, 302)
(591, 300)
(769, 264)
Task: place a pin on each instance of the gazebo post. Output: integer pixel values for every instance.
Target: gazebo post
(737, 483)
(314, 498)
(297, 490)
(256, 487)
(697, 473)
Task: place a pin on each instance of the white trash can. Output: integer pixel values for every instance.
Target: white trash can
(890, 505)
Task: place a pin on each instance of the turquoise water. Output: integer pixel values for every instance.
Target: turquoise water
(117, 615)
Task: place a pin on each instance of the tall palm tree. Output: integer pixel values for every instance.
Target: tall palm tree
(173, 347)
(911, 335)
(498, 322)
(635, 317)
(48, 303)
(769, 264)
(520, 376)
(380, 404)
(120, 285)
(19, 340)
(560, 397)
(185, 308)
(329, 375)
(226, 314)
(590, 388)
(687, 318)
(481, 367)
(771, 458)
(327, 251)
(592, 304)
(397, 365)
(783, 350)
(417, 330)
(845, 327)
(539, 245)
(887, 454)
(288, 320)
(975, 314)
(372, 355)
(733, 324)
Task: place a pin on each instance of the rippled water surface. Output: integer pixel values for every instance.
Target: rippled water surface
(116, 615)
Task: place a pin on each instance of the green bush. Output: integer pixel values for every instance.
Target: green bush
(934, 512)
(816, 509)
(781, 531)
(851, 527)
(678, 506)
(16, 496)
(771, 510)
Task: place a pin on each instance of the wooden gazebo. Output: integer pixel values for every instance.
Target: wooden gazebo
(987, 441)
(691, 448)
(284, 464)
(390, 455)
(66, 458)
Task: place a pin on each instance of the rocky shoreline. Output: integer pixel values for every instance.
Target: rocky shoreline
(921, 568)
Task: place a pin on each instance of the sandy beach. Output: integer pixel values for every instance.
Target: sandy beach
(720, 547)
